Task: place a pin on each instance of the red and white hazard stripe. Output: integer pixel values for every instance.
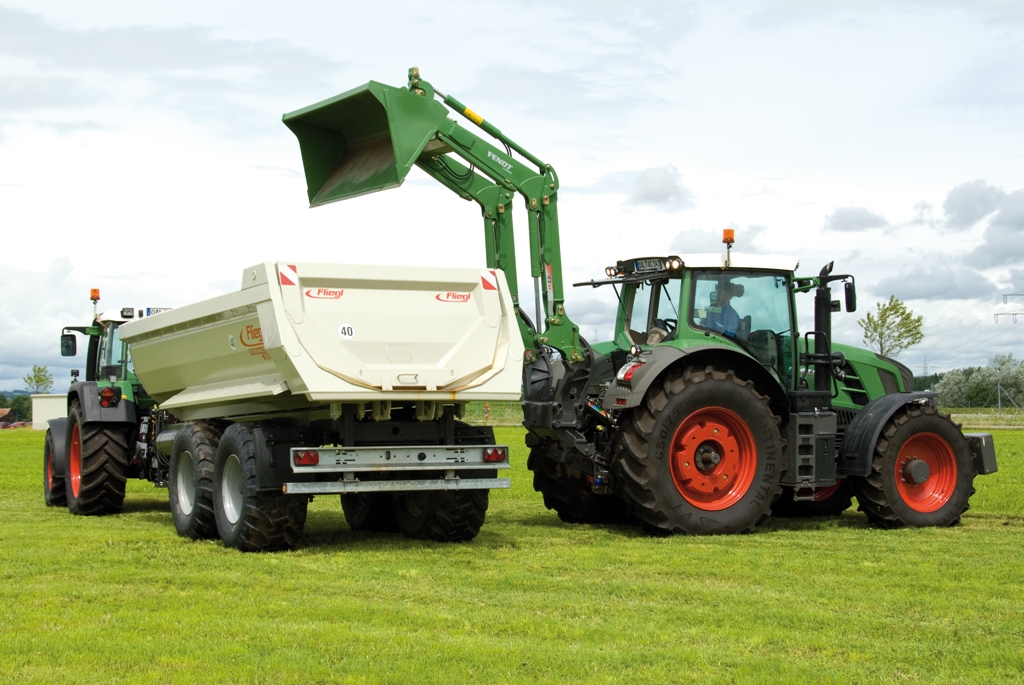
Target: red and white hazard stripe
(288, 273)
(489, 280)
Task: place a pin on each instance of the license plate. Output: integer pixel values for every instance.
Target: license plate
(649, 265)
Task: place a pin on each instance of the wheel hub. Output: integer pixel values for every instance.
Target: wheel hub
(916, 471)
(707, 456)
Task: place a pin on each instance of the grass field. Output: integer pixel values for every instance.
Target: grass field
(123, 599)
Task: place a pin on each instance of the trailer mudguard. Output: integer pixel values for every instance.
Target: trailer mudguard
(862, 433)
(58, 434)
(88, 396)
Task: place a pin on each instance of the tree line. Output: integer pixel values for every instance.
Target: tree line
(1000, 383)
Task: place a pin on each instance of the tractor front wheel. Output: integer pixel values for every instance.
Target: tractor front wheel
(568, 492)
(54, 488)
(922, 471)
(701, 455)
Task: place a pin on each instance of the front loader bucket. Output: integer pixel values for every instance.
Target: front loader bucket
(363, 141)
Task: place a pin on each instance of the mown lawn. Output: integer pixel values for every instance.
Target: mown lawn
(123, 599)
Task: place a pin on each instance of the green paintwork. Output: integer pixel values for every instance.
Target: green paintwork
(369, 138)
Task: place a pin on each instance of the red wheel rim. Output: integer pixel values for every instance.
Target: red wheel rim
(822, 494)
(938, 487)
(75, 460)
(713, 458)
(49, 467)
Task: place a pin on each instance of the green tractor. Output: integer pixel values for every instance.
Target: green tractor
(709, 409)
(89, 455)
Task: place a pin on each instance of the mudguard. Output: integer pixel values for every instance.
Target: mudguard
(92, 412)
(58, 434)
(656, 360)
(865, 428)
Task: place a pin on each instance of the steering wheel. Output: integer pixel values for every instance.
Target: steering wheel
(666, 324)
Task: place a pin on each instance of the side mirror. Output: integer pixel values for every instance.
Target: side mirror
(68, 345)
(851, 296)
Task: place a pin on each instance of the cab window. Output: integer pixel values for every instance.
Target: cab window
(653, 311)
(752, 309)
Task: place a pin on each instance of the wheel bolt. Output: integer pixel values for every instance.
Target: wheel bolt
(725, 477)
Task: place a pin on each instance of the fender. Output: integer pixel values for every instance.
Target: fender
(659, 359)
(865, 428)
(58, 434)
(87, 393)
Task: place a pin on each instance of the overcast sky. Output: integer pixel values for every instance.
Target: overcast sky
(142, 152)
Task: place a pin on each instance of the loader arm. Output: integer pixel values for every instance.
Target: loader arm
(369, 138)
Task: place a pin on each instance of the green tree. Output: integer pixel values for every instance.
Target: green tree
(892, 328)
(22, 406)
(39, 381)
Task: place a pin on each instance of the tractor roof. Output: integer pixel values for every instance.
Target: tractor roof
(738, 260)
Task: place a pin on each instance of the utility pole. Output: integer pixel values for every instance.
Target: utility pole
(1012, 315)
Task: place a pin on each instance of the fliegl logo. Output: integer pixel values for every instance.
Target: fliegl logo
(452, 297)
(251, 337)
(325, 293)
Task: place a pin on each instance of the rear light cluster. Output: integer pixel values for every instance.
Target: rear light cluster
(308, 458)
(493, 454)
(110, 397)
(625, 374)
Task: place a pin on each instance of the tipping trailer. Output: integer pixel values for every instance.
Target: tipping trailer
(709, 407)
(326, 379)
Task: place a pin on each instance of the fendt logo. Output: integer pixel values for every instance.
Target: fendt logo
(499, 160)
(452, 297)
(325, 293)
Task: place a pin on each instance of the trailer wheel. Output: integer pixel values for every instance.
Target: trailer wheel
(190, 480)
(54, 487)
(568, 492)
(96, 466)
(831, 501)
(372, 512)
(701, 455)
(922, 472)
(248, 519)
(443, 515)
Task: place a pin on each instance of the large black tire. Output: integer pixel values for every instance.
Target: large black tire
(54, 487)
(247, 519)
(443, 515)
(568, 492)
(710, 435)
(826, 502)
(891, 498)
(96, 465)
(190, 480)
(372, 512)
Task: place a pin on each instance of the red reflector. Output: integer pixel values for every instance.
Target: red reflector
(620, 400)
(107, 397)
(494, 454)
(309, 458)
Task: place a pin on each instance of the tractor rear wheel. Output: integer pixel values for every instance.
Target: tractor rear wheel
(190, 480)
(922, 471)
(96, 466)
(54, 487)
(701, 455)
(248, 519)
(831, 501)
(373, 512)
(443, 515)
(568, 492)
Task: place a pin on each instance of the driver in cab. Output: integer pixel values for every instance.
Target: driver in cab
(721, 315)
